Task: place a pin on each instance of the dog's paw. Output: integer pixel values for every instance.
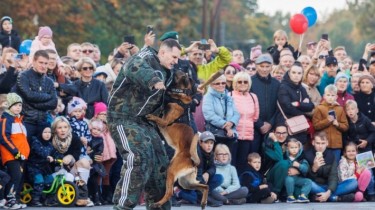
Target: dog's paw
(151, 117)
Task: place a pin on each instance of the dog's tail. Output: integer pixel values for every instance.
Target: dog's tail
(193, 150)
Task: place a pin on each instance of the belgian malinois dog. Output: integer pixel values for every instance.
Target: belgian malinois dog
(181, 137)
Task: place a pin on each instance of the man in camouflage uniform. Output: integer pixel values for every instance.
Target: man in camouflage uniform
(137, 92)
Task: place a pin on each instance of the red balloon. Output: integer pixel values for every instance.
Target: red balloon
(298, 23)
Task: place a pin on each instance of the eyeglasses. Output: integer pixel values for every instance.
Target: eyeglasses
(243, 82)
(230, 72)
(222, 154)
(323, 56)
(251, 68)
(87, 51)
(88, 68)
(220, 83)
(281, 133)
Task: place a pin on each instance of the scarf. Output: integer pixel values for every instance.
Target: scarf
(62, 145)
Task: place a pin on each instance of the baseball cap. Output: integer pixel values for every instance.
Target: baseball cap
(207, 135)
(264, 58)
(331, 60)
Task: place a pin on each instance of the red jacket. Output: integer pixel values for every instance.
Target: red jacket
(13, 138)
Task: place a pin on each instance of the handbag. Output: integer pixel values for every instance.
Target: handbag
(218, 132)
(295, 125)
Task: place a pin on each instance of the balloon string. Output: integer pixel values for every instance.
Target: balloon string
(300, 44)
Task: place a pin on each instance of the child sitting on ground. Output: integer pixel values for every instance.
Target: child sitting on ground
(349, 171)
(230, 191)
(255, 182)
(296, 173)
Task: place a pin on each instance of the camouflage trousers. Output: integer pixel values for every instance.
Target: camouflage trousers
(144, 167)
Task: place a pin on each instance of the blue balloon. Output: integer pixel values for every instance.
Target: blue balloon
(310, 14)
(25, 47)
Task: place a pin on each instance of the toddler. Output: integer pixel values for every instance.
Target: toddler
(281, 41)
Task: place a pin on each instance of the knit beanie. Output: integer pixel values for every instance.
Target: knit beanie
(236, 66)
(341, 75)
(74, 104)
(44, 31)
(4, 19)
(366, 76)
(99, 107)
(13, 99)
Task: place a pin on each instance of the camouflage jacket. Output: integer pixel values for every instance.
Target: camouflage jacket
(133, 96)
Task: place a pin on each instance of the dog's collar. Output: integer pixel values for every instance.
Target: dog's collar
(185, 91)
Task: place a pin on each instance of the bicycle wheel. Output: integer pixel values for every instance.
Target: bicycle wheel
(25, 194)
(69, 196)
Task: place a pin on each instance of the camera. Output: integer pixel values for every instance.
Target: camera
(203, 45)
(149, 29)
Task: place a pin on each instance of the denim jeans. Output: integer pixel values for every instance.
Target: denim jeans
(343, 188)
(192, 196)
(371, 185)
(337, 153)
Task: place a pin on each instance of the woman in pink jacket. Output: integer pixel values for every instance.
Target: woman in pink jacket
(247, 105)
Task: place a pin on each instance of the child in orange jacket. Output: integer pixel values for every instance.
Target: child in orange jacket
(14, 148)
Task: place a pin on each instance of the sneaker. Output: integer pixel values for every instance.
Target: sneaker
(358, 197)
(302, 199)
(2, 202)
(239, 201)
(346, 198)
(291, 199)
(89, 203)
(12, 204)
(36, 203)
(22, 205)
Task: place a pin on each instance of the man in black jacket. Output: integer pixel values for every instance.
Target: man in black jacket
(266, 88)
(38, 93)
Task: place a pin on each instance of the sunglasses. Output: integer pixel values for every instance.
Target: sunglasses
(87, 68)
(323, 56)
(251, 68)
(220, 83)
(87, 51)
(243, 82)
(230, 72)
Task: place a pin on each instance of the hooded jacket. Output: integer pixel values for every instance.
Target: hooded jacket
(40, 149)
(13, 138)
(12, 40)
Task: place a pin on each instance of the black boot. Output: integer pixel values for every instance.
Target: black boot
(96, 199)
(106, 195)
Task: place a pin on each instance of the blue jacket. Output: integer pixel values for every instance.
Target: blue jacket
(214, 109)
(40, 149)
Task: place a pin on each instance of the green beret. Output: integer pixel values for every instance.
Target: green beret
(169, 35)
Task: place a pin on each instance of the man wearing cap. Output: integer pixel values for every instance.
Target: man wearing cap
(328, 78)
(189, 69)
(8, 36)
(266, 89)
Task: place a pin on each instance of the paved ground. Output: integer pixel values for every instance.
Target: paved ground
(278, 206)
